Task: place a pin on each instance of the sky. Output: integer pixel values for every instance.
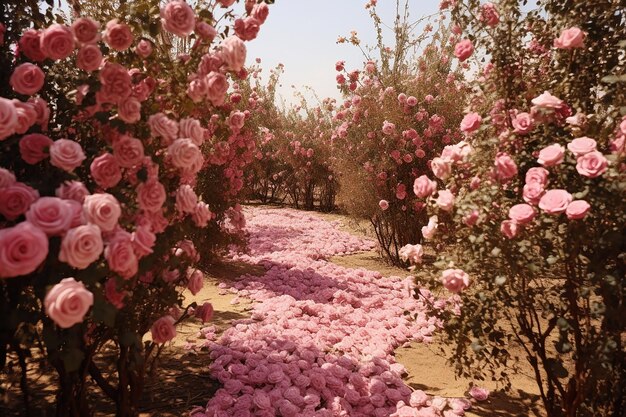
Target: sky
(302, 35)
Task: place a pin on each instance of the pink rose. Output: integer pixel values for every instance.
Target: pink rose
(68, 302)
(523, 123)
(411, 253)
(510, 228)
(592, 164)
(195, 281)
(522, 213)
(27, 79)
(43, 111)
(186, 199)
(455, 280)
(161, 125)
(8, 118)
(470, 122)
(34, 147)
(205, 31)
(66, 154)
(72, 190)
(581, 146)
(113, 296)
(547, 101)
(102, 210)
(26, 116)
(537, 175)
(128, 151)
(260, 11)
(205, 313)
(143, 241)
(106, 171)
(570, 38)
(56, 42)
(577, 209)
(555, 201)
(464, 49)
(441, 168)
(118, 35)
(6, 177)
(151, 195)
(383, 204)
(217, 85)
(388, 128)
(16, 199)
(115, 84)
(445, 200)
(551, 155)
(76, 213)
(478, 393)
(81, 246)
(236, 121)
(30, 45)
(233, 52)
(191, 128)
(489, 14)
(3, 30)
(89, 58)
(429, 230)
(120, 255)
(185, 155)
(50, 214)
(247, 29)
(201, 214)
(178, 18)
(86, 30)
(424, 186)
(22, 249)
(143, 48)
(505, 167)
(401, 192)
(163, 329)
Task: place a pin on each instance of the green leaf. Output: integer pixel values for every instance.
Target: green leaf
(72, 359)
(104, 312)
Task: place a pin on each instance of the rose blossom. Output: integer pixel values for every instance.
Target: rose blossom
(445, 200)
(411, 253)
(424, 186)
(455, 280)
(163, 329)
(56, 41)
(470, 122)
(143, 48)
(551, 155)
(81, 246)
(16, 199)
(22, 249)
(30, 45)
(247, 29)
(547, 101)
(555, 201)
(537, 175)
(522, 213)
(201, 214)
(441, 168)
(27, 79)
(478, 393)
(6, 177)
(34, 147)
(236, 121)
(3, 30)
(26, 116)
(128, 151)
(143, 241)
(102, 210)
(510, 228)
(118, 35)
(463, 49)
(205, 31)
(50, 214)
(204, 312)
(570, 38)
(233, 52)
(429, 230)
(184, 154)
(68, 302)
(76, 212)
(120, 255)
(523, 123)
(72, 190)
(383, 204)
(191, 128)
(89, 58)
(86, 30)
(116, 83)
(592, 164)
(43, 111)
(195, 281)
(8, 118)
(178, 18)
(505, 167)
(186, 199)
(161, 125)
(489, 14)
(577, 209)
(106, 171)
(151, 195)
(66, 154)
(260, 12)
(217, 85)
(581, 146)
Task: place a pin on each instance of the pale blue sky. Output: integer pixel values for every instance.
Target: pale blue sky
(302, 34)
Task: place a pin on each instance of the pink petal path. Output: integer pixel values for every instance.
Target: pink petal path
(321, 338)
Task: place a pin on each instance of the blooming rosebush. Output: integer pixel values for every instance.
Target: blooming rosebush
(121, 164)
(538, 211)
